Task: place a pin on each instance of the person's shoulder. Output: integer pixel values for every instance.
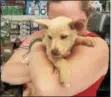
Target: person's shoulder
(101, 43)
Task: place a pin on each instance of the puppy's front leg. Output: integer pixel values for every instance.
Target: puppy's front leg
(85, 41)
(65, 72)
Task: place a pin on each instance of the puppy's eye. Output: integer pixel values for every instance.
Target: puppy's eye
(63, 37)
(49, 37)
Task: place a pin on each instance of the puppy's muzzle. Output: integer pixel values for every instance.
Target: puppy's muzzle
(55, 52)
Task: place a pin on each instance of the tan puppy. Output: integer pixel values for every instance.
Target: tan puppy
(61, 35)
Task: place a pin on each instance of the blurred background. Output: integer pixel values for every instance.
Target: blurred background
(16, 24)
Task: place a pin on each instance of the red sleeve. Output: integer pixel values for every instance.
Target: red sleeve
(25, 42)
(92, 90)
(91, 35)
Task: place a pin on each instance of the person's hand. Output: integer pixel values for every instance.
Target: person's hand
(38, 58)
(39, 66)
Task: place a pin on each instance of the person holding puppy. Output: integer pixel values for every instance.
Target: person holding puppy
(89, 65)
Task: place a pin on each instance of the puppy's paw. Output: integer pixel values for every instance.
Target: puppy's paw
(65, 85)
(89, 42)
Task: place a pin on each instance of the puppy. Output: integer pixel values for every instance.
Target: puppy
(61, 34)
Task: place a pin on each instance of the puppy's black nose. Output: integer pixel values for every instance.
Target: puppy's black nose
(55, 52)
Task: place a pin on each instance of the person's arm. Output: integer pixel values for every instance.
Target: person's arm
(14, 72)
(88, 65)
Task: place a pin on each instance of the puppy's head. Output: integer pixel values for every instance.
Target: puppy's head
(60, 35)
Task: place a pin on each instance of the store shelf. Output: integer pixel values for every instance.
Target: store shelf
(22, 17)
(19, 18)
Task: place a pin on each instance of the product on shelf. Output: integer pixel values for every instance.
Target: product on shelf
(37, 8)
(12, 8)
(13, 27)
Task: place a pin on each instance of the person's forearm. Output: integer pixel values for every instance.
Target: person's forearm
(14, 72)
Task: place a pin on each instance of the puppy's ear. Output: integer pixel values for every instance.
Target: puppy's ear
(78, 25)
(43, 22)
